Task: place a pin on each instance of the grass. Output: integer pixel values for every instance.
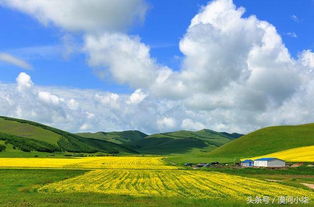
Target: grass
(27, 130)
(266, 141)
(181, 141)
(197, 155)
(20, 187)
(17, 189)
(288, 176)
(31, 136)
(124, 137)
(173, 183)
(299, 154)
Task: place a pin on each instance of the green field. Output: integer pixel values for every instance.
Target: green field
(28, 131)
(17, 189)
(44, 166)
(258, 143)
(142, 188)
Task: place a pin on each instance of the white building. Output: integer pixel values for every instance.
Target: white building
(269, 162)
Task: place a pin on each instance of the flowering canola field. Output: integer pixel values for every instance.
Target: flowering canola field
(178, 183)
(87, 163)
(300, 154)
(149, 176)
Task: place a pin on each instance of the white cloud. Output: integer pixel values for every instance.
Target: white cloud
(295, 18)
(137, 97)
(83, 15)
(126, 57)
(23, 81)
(49, 98)
(292, 34)
(307, 58)
(5, 57)
(192, 125)
(166, 123)
(236, 75)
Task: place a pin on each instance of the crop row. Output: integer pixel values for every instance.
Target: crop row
(177, 183)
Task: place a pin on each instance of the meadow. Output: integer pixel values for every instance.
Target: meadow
(173, 183)
(128, 181)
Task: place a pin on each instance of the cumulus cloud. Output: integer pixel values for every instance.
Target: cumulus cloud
(83, 15)
(126, 57)
(307, 58)
(7, 58)
(137, 97)
(236, 75)
(23, 81)
(189, 124)
(166, 123)
(235, 68)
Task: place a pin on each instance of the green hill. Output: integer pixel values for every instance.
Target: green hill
(29, 136)
(267, 140)
(124, 137)
(181, 141)
(166, 143)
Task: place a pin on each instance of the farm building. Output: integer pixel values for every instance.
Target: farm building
(247, 163)
(269, 162)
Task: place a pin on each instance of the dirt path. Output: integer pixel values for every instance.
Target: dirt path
(308, 185)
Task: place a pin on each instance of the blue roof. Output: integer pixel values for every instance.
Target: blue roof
(266, 159)
(247, 161)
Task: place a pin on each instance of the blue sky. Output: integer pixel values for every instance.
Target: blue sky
(157, 65)
(165, 24)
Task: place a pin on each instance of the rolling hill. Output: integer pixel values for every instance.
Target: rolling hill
(26, 136)
(266, 141)
(181, 141)
(123, 137)
(166, 143)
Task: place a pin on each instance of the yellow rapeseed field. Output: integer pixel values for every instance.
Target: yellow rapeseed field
(87, 163)
(300, 154)
(180, 183)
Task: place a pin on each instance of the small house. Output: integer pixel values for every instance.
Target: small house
(247, 163)
(269, 162)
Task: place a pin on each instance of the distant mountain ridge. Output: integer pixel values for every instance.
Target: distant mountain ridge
(122, 137)
(165, 143)
(29, 136)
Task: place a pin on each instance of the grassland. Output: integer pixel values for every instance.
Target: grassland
(124, 137)
(182, 141)
(28, 136)
(266, 141)
(299, 154)
(173, 183)
(140, 179)
(27, 130)
(18, 189)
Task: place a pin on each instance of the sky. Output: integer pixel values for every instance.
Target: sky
(156, 65)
